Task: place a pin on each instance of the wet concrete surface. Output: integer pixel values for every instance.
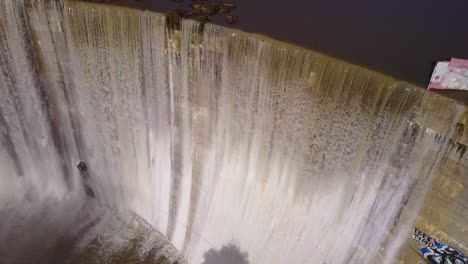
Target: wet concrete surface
(69, 232)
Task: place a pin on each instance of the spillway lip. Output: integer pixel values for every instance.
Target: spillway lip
(126, 5)
(130, 5)
(387, 45)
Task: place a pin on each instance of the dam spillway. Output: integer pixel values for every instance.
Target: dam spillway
(213, 136)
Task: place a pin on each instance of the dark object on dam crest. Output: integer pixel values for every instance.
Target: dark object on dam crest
(200, 10)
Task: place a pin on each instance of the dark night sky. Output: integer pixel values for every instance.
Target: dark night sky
(402, 38)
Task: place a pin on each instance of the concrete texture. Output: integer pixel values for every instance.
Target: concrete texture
(444, 214)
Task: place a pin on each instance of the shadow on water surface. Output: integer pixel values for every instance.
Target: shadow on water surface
(228, 254)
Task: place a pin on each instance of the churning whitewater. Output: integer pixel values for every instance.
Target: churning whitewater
(211, 135)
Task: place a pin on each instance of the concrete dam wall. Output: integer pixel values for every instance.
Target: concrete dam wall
(217, 138)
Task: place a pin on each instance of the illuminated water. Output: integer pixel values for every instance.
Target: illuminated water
(213, 137)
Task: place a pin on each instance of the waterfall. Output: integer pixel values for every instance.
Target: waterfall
(212, 135)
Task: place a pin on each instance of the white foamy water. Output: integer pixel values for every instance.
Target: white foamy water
(212, 136)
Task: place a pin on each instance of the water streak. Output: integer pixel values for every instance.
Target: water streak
(213, 136)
